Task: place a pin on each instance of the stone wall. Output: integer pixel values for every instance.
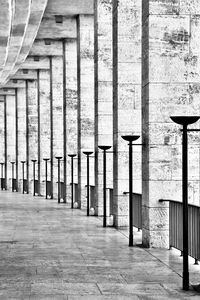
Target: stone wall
(170, 87)
(103, 96)
(126, 101)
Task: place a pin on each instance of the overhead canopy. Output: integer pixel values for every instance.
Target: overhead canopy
(26, 21)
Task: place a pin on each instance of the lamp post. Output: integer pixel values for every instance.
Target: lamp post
(185, 121)
(12, 163)
(104, 148)
(72, 179)
(23, 162)
(46, 160)
(33, 161)
(58, 158)
(130, 139)
(88, 153)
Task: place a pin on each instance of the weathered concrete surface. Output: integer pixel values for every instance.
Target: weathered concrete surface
(57, 71)
(21, 132)
(170, 87)
(103, 96)
(72, 106)
(11, 138)
(2, 153)
(85, 100)
(33, 129)
(44, 83)
(126, 101)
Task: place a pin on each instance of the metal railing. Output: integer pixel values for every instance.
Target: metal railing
(49, 188)
(137, 210)
(3, 183)
(76, 194)
(92, 196)
(110, 197)
(176, 228)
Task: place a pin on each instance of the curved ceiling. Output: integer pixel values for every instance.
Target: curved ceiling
(26, 21)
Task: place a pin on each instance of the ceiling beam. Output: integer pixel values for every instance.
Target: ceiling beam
(36, 63)
(49, 29)
(46, 48)
(69, 7)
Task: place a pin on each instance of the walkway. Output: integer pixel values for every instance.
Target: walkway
(49, 252)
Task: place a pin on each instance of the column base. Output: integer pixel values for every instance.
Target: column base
(155, 238)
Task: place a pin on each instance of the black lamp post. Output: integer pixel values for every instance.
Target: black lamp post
(46, 160)
(130, 139)
(185, 121)
(33, 161)
(88, 153)
(23, 162)
(72, 179)
(104, 148)
(12, 163)
(58, 158)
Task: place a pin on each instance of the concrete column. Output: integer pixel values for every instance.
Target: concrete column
(44, 82)
(2, 129)
(21, 131)
(27, 137)
(16, 138)
(85, 36)
(126, 101)
(103, 95)
(38, 132)
(170, 79)
(64, 121)
(71, 109)
(32, 129)
(5, 142)
(57, 89)
(11, 137)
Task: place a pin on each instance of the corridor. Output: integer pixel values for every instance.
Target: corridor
(49, 251)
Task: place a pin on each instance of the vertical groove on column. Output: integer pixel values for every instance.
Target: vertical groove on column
(78, 110)
(38, 113)
(27, 139)
(64, 121)
(51, 123)
(5, 139)
(96, 96)
(16, 133)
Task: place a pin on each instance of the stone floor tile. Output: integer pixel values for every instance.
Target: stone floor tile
(51, 252)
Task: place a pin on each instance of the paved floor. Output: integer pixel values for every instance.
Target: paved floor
(48, 251)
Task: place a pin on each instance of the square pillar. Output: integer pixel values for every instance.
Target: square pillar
(170, 86)
(45, 135)
(85, 36)
(71, 111)
(126, 102)
(103, 96)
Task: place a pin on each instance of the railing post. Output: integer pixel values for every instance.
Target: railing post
(12, 163)
(34, 161)
(130, 139)
(104, 148)
(185, 121)
(88, 153)
(46, 160)
(58, 158)
(72, 179)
